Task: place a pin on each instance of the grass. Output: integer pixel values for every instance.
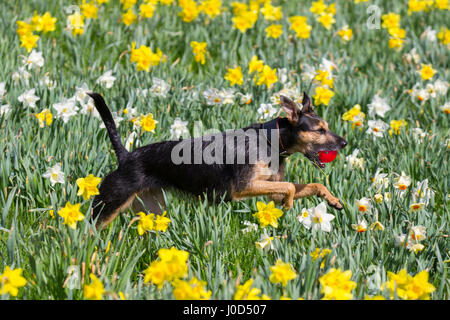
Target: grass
(220, 253)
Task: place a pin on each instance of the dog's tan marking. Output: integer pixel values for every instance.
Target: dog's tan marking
(101, 224)
(260, 188)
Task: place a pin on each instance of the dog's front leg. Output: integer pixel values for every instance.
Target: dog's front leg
(317, 189)
(261, 188)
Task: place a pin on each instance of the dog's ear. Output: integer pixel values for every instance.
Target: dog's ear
(291, 109)
(307, 105)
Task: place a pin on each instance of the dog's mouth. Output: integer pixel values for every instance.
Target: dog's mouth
(321, 157)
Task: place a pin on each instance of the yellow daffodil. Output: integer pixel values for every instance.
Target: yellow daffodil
(29, 41)
(146, 222)
(274, 31)
(89, 10)
(268, 214)
(48, 22)
(246, 292)
(147, 10)
(45, 117)
(11, 280)
(397, 125)
(162, 222)
(190, 10)
(300, 26)
(323, 95)
(390, 20)
(336, 285)
(129, 17)
(212, 8)
(199, 50)
(346, 34)
(427, 72)
(76, 23)
(87, 186)
(148, 123)
(71, 214)
(94, 290)
(267, 76)
(192, 290)
(145, 57)
(282, 272)
(408, 287)
(127, 4)
(255, 65)
(234, 76)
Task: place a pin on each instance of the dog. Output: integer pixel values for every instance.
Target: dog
(143, 173)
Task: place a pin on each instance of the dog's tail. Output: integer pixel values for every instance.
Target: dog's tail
(110, 125)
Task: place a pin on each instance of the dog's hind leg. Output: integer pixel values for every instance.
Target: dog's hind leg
(151, 200)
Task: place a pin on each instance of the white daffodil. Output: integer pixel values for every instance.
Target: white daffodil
(361, 226)
(429, 34)
(378, 106)
(88, 108)
(2, 89)
(49, 83)
(66, 109)
(327, 65)
(400, 240)
(245, 98)
(130, 140)
(354, 161)
(265, 242)
(402, 182)
(4, 109)
(212, 97)
(34, 60)
(81, 93)
(418, 134)
(227, 96)
(21, 74)
(55, 174)
(250, 227)
(415, 247)
(422, 193)
(179, 129)
(318, 218)
(363, 205)
(308, 72)
(418, 233)
(377, 128)
(380, 180)
(441, 87)
(416, 206)
(29, 98)
(266, 110)
(446, 107)
(106, 79)
(160, 88)
(412, 56)
(282, 74)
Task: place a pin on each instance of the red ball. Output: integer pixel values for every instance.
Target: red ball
(327, 156)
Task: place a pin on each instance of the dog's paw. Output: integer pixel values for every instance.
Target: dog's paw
(287, 203)
(336, 204)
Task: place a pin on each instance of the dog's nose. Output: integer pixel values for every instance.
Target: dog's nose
(343, 143)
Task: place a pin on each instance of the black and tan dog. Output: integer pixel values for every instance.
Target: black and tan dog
(147, 170)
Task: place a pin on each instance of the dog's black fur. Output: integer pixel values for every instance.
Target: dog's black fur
(150, 169)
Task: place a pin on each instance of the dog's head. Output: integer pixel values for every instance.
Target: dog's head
(310, 132)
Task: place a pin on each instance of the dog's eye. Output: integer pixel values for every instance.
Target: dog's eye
(322, 130)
